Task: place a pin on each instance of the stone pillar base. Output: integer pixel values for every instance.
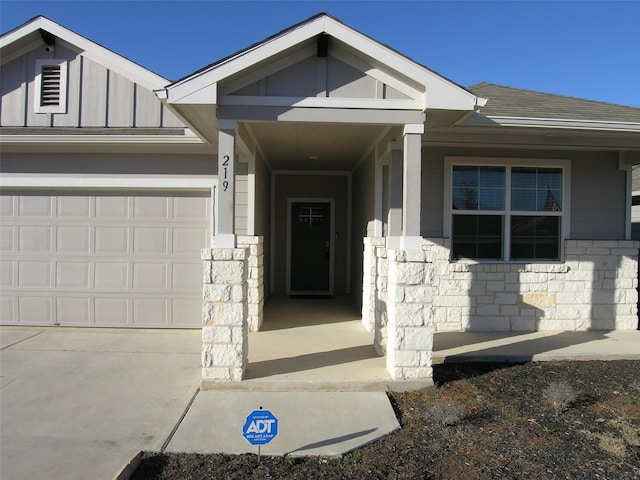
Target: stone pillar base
(410, 315)
(225, 340)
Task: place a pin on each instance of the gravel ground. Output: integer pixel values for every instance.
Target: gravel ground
(550, 420)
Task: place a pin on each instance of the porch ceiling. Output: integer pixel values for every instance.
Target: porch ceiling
(314, 146)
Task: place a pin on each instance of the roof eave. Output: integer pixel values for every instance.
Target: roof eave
(96, 52)
(551, 123)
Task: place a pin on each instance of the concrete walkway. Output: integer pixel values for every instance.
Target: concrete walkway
(79, 403)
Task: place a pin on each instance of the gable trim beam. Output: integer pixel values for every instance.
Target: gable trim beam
(321, 115)
(322, 102)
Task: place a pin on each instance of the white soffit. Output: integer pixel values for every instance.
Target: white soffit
(89, 49)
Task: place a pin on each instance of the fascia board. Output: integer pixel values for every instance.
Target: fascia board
(437, 87)
(554, 123)
(204, 94)
(242, 61)
(91, 50)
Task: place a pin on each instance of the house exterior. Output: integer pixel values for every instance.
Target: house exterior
(316, 162)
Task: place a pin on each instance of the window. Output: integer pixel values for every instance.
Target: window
(51, 86)
(508, 211)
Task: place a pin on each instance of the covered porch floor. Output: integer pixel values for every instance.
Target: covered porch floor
(320, 344)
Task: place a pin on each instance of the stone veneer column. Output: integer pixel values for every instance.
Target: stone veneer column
(380, 328)
(410, 319)
(255, 280)
(369, 278)
(225, 339)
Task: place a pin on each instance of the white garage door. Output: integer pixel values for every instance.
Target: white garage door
(118, 259)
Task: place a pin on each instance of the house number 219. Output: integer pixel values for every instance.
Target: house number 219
(225, 164)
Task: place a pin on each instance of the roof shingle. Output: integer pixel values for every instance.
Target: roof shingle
(515, 102)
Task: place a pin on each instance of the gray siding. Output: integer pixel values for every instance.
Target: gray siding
(109, 164)
(96, 96)
(263, 216)
(598, 192)
(363, 216)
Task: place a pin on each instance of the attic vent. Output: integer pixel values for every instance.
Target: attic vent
(50, 85)
(50, 94)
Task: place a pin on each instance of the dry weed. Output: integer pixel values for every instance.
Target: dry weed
(560, 395)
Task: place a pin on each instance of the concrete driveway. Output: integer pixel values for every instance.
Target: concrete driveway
(77, 403)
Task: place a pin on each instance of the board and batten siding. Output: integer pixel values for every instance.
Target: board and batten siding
(324, 77)
(97, 97)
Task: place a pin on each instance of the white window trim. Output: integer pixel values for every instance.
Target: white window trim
(62, 105)
(564, 164)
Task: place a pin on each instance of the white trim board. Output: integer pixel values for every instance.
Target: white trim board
(111, 182)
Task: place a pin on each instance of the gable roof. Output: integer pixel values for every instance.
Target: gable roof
(32, 33)
(440, 92)
(519, 103)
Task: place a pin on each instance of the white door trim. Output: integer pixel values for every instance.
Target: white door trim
(332, 235)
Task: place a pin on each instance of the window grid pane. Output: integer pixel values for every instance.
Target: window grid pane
(478, 188)
(535, 237)
(477, 237)
(536, 189)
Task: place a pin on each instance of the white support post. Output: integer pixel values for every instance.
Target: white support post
(412, 186)
(225, 236)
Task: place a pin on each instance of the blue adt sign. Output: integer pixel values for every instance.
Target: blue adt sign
(260, 428)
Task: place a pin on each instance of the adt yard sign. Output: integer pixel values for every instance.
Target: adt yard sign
(260, 428)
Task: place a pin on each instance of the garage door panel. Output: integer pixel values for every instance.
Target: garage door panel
(112, 240)
(7, 310)
(6, 273)
(113, 312)
(187, 240)
(35, 310)
(186, 277)
(34, 274)
(149, 312)
(73, 207)
(6, 205)
(151, 207)
(112, 207)
(150, 240)
(72, 275)
(112, 259)
(35, 206)
(190, 208)
(111, 275)
(150, 276)
(34, 239)
(73, 311)
(73, 239)
(6, 238)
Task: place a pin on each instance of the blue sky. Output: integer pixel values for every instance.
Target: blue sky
(582, 49)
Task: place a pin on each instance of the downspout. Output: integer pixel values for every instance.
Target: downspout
(628, 168)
